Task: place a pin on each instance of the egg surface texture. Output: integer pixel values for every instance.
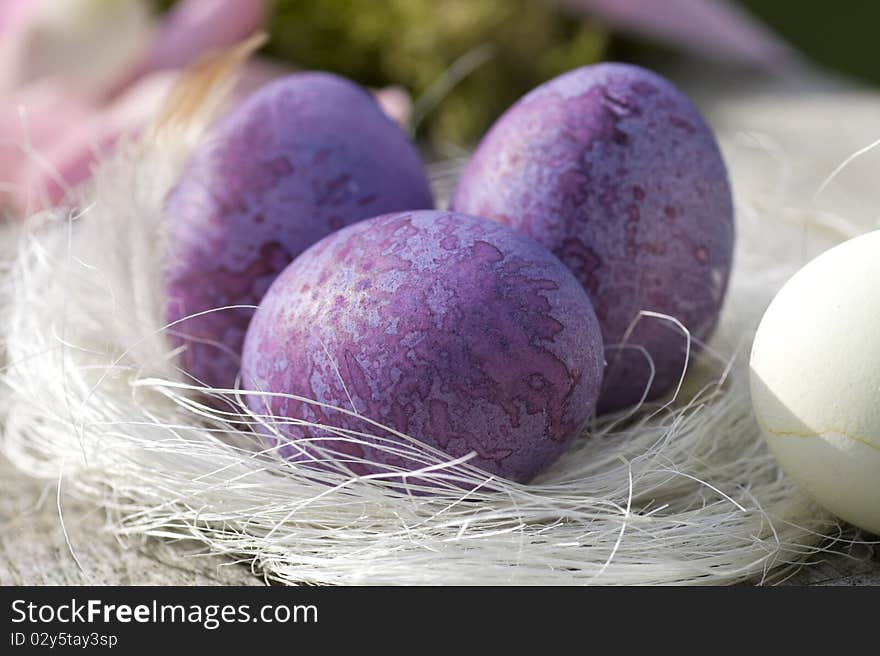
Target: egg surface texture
(303, 156)
(815, 379)
(615, 171)
(454, 330)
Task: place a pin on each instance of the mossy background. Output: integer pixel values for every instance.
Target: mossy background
(413, 42)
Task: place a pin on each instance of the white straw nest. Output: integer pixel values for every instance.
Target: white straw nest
(684, 493)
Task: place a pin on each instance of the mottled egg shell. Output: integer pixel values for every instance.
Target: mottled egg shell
(454, 330)
(303, 156)
(614, 170)
(815, 379)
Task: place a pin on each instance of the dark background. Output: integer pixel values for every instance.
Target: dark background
(842, 35)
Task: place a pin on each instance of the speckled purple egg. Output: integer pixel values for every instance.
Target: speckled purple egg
(615, 171)
(454, 330)
(302, 157)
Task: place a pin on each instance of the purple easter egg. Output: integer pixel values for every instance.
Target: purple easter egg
(452, 329)
(614, 170)
(302, 157)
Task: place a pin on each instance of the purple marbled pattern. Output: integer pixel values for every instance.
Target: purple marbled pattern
(452, 329)
(303, 156)
(614, 170)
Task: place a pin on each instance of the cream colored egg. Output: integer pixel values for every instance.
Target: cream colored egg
(815, 379)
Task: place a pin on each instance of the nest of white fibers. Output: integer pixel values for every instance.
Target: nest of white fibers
(680, 492)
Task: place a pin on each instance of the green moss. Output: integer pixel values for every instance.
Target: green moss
(163, 5)
(413, 42)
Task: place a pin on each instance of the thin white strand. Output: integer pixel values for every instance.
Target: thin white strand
(840, 167)
(64, 532)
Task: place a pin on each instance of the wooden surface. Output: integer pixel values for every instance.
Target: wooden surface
(34, 551)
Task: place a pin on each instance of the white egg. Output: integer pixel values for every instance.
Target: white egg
(815, 379)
